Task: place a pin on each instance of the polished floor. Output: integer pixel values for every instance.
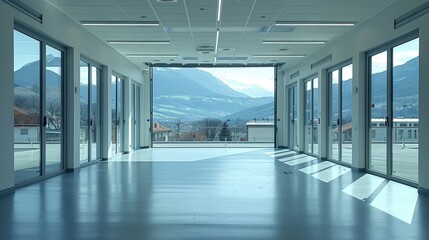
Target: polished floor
(214, 194)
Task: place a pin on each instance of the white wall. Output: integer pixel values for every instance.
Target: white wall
(78, 42)
(371, 34)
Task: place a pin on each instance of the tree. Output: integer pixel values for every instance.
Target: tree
(225, 133)
(209, 127)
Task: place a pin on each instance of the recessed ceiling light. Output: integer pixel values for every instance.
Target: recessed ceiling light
(294, 42)
(279, 56)
(283, 49)
(202, 9)
(263, 16)
(315, 24)
(219, 9)
(120, 23)
(143, 17)
(150, 56)
(139, 42)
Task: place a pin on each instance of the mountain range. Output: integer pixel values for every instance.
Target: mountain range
(192, 94)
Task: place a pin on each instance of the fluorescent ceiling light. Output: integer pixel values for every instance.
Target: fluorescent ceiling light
(315, 24)
(294, 42)
(279, 56)
(120, 23)
(217, 41)
(140, 42)
(219, 9)
(150, 56)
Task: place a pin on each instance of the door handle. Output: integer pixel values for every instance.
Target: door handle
(45, 121)
(386, 121)
(338, 122)
(90, 122)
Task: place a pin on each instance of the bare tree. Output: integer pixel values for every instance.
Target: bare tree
(209, 127)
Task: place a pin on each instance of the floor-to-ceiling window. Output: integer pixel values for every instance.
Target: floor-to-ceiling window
(135, 116)
(340, 113)
(311, 116)
(38, 106)
(89, 112)
(293, 118)
(117, 122)
(393, 109)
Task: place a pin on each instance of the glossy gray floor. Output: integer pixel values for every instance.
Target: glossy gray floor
(200, 194)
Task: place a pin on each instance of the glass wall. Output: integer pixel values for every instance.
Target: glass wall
(393, 124)
(117, 122)
(340, 114)
(38, 107)
(311, 133)
(89, 112)
(293, 118)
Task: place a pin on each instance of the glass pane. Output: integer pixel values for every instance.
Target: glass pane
(95, 113)
(378, 113)
(295, 118)
(291, 120)
(119, 115)
(133, 116)
(137, 117)
(114, 120)
(84, 105)
(308, 118)
(315, 135)
(334, 129)
(346, 113)
(26, 106)
(405, 145)
(54, 109)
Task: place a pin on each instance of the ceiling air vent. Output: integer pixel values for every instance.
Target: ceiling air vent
(322, 61)
(294, 75)
(24, 8)
(166, 1)
(231, 58)
(205, 49)
(190, 58)
(412, 15)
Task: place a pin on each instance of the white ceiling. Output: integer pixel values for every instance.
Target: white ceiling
(244, 24)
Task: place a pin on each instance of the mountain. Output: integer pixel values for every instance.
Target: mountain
(250, 90)
(190, 81)
(193, 94)
(258, 112)
(405, 91)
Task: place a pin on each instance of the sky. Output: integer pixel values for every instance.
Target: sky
(237, 77)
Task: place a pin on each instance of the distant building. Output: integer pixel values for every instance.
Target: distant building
(404, 130)
(260, 131)
(161, 133)
(26, 126)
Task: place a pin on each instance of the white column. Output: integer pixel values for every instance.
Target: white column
(359, 103)
(106, 112)
(72, 110)
(7, 181)
(424, 112)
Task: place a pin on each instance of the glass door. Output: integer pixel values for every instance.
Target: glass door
(340, 114)
(293, 141)
(94, 114)
(89, 112)
(312, 116)
(38, 116)
(117, 120)
(394, 110)
(53, 117)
